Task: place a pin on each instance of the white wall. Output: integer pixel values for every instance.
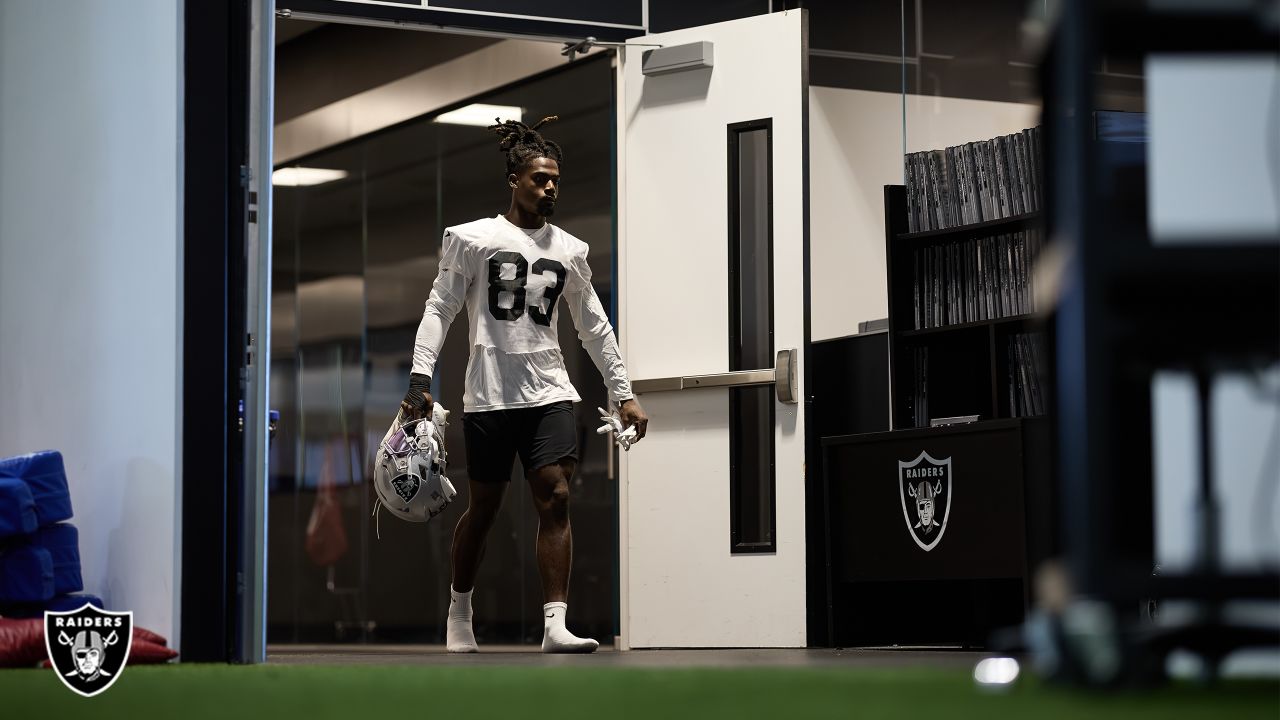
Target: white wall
(90, 297)
(855, 149)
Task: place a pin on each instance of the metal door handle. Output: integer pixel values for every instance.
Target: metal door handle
(784, 377)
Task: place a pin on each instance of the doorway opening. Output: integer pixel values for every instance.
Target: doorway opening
(357, 226)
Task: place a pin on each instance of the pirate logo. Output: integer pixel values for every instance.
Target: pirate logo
(924, 487)
(406, 486)
(88, 647)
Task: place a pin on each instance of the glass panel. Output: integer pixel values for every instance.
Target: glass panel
(402, 177)
(354, 262)
(751, 409)
(753, 257)
(327, 511)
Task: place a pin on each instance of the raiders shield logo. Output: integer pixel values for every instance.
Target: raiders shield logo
(406, 486)
(88, 647)
(924, 486)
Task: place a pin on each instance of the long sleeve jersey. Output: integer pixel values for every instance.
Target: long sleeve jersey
(511, 281)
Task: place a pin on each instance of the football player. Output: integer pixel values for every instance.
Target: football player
(512, 272)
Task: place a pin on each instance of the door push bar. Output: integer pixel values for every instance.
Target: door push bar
(784, 377)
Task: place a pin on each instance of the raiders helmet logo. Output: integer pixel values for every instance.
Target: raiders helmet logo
(406, 486)
(925, 489)
(88, 647)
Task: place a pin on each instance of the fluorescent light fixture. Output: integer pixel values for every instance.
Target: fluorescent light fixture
(481, 115)
(303, 176)
(996, 672)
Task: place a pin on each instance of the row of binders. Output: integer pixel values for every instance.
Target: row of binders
(1026, 368)
(975, 182)
(920, 386)
(983, 278)
(1024, 384)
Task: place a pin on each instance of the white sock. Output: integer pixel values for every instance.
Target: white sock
(459, 637)
(556, 638)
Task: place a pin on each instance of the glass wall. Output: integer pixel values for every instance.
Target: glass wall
(354, 261)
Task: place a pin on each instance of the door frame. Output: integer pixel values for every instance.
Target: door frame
(224, 480)
(215, 146)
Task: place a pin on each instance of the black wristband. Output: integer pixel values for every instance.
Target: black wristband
(419, 385)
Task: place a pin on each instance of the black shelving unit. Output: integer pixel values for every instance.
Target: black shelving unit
(967, 362)
(880, 580)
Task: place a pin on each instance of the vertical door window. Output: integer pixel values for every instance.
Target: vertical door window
(751, 409)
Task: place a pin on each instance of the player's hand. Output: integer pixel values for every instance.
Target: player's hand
(633, 416)
(413, 409)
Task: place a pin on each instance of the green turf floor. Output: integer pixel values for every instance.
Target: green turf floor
(560, 693)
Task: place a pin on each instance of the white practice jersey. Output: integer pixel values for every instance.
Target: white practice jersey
(511, 281)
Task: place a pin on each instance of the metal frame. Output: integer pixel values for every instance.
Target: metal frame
(251, 570)
(457, 21)
(784, 376)
(817, 594)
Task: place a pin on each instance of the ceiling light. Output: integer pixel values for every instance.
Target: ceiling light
(302, 176)
(481, 115)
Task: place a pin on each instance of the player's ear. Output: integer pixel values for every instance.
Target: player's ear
(512, 180)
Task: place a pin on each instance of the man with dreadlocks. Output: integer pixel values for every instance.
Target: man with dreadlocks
(511, 272)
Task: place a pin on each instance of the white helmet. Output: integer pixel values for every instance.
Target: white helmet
(409, 469)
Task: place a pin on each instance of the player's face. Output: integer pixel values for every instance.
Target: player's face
(537, 187)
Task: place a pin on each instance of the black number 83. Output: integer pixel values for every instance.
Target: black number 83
(516, 286)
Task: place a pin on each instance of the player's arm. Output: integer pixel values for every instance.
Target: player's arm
(598, 339)
(448, 295)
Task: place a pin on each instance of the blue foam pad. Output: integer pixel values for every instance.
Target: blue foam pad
(58, 603)
(26, 574)
(63, 543)
(44, 474)
(17, 508)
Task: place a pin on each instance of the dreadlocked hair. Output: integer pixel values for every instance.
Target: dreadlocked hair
(524, 144)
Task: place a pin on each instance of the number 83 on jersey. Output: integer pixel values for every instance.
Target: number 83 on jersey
(510, 277)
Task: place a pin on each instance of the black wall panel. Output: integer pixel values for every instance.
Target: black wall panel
(214, 145)
(866, 26)
(667, 15)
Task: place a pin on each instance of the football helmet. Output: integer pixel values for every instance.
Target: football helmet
(409, 468)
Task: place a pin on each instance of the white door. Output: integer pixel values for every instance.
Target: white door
(712, 222)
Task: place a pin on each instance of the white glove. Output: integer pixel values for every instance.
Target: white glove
(613, 423)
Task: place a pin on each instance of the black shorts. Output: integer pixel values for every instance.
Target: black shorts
(541, 435)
